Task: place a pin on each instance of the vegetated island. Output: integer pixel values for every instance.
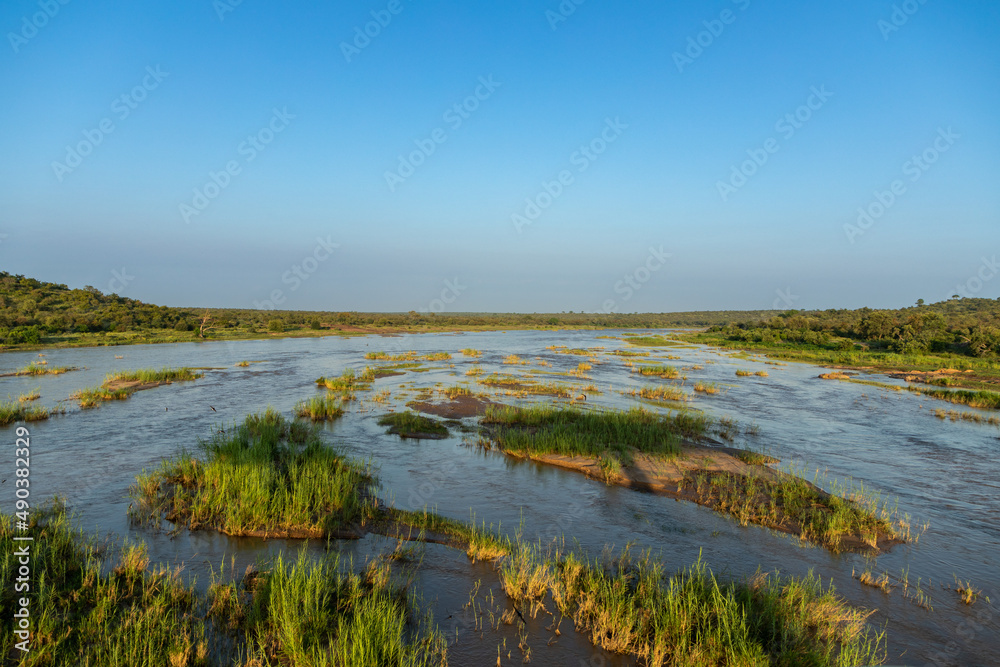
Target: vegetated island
(270, 477)
(667, 455)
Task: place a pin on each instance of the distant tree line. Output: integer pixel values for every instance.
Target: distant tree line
(32, 310)
(963, 326)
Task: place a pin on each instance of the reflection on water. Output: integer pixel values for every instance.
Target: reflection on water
(942, 473)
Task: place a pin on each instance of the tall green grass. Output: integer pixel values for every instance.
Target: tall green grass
(320, 408)
(570, 431)
(630, 605)
(320, 614)
(266, 475)
(794, 504)
(35, 368)
(411, 425)
(658, 370)
(18, 411)
(84, 612)
(144, 375)
(89, 608)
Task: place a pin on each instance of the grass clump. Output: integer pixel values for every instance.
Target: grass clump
(852, 519)
(469, 352)
(571, 431)
(18, 411)
(146, 375)
(94, 396)
(706, 388)
(974, 399)
(121, 385)
(514, 360)
(629, 604)
(743, 374)
(266, 476)
(305, 612)
(663, 393)
(956, 415)
(436, 356)
(659, 370)
(385, 356)
(36, 368)
(629, 353)
(475, 371)
(320, 408)
(32, 395)
(348, 382)
(243, 364)
(84, 612)
(411, 425)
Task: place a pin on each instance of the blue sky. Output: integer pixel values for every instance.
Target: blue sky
(354, 183)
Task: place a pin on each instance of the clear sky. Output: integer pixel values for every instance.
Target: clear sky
(503, 156)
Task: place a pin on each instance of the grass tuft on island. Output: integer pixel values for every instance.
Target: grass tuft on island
(265, 477)
(35, 368)
(852, 519)
(571, 431)
(320, 408)
(630, 605)
(121, 385)
(93, 607)
(411, 425)
(19, 411)
(304, 612)
(86, 613)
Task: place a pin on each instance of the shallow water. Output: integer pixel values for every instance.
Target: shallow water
(940, 471)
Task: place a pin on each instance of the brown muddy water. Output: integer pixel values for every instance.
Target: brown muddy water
(943, 473)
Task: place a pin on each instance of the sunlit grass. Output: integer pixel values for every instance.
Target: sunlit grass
(264, 475)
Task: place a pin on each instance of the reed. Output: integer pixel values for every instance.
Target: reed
(17, 411)
(120, 611)
(412, 425)
(956, 415)
(145, 375)
(571, 431)
(41, 368)
(629, 604)
(822, 517)
(320, 613)
(320, 408)
(658, 370)
(662, 393)
(266, 475)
